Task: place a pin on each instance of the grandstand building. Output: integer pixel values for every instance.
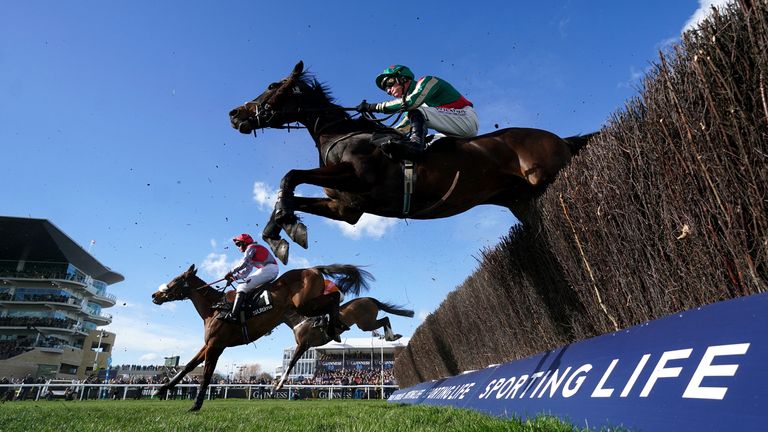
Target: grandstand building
(52, 293)
(370, 354)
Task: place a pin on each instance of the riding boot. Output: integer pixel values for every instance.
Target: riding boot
(333, 329)
(234, 314)
(418, 132)
(335, 325)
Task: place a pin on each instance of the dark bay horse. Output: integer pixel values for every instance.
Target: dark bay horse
(507, 167)
(300, 289)
(360, 311)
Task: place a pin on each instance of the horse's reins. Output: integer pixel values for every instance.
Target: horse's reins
(243, 325)
(321, 110)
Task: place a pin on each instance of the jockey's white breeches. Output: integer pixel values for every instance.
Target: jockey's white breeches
(266, 274)
(451, 121)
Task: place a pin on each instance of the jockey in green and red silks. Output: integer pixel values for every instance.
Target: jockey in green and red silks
(430, 103)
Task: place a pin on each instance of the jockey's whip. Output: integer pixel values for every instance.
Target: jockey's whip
(216, 281)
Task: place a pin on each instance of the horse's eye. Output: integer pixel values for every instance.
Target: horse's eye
(273, 86)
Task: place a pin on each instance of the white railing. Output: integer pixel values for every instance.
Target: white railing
(107, 296)
(189, 391)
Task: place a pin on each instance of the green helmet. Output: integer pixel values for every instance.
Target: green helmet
(393, 71)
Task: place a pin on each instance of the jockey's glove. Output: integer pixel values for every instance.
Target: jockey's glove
(366, 107)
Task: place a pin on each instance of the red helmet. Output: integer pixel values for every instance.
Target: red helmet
(245, 238)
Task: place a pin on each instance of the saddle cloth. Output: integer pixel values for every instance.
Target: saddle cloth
(252, 307)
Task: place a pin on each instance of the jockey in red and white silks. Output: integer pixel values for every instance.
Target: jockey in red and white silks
(258, 267)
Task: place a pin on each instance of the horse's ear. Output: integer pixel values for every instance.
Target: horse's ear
(192, 269)
(298, 69)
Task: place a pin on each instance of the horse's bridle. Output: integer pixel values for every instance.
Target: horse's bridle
(260, 109)
(178, 293)
(183, 292)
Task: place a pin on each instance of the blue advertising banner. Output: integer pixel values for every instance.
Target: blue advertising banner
(703, 369)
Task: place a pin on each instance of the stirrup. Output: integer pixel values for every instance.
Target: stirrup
(228, 317)
(321, 322)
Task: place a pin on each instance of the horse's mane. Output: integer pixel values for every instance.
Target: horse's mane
(321, 90)
(208, 289)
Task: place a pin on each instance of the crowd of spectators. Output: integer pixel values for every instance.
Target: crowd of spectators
(57, 298)
(352, 377)
(40, 271)
(25, 321)
(12, 348)
(134, 368)
(8, 392)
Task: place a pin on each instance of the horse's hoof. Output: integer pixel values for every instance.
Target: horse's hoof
(279, 248)
(297, 231)
(281, 251)
(282, 215)
(195, 408)
(393, 338)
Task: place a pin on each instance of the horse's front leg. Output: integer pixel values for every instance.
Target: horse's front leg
(211, 358)
(340, 176)
(271, 236)
(191, 365)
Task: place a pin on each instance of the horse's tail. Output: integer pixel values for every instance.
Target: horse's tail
(577, 142)
(393, 309)
(349, 278)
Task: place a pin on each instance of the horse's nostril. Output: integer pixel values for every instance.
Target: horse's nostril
(234, 112)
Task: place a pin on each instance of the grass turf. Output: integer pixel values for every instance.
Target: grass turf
(243, 415)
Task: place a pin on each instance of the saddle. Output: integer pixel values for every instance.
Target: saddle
(397, 146)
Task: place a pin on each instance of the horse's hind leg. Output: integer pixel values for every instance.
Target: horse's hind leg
(326, 304)
(389, 335)
(383, 322)
(301, 348)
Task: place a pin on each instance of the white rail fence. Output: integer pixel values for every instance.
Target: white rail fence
(70, 391)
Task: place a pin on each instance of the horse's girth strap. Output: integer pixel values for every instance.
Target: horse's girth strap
(443, 199)
(333, 144)
(409, 178)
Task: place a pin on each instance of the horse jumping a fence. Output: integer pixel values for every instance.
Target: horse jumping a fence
(360, 311)
(507, 167)
(299, 289)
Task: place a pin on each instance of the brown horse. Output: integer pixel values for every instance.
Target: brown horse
(360, 311)
(507, 167)
(301, 289)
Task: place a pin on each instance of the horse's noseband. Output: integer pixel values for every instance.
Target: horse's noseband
(179, 294)
(261, 110)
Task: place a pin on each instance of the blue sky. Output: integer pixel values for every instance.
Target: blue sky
(114, 126)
